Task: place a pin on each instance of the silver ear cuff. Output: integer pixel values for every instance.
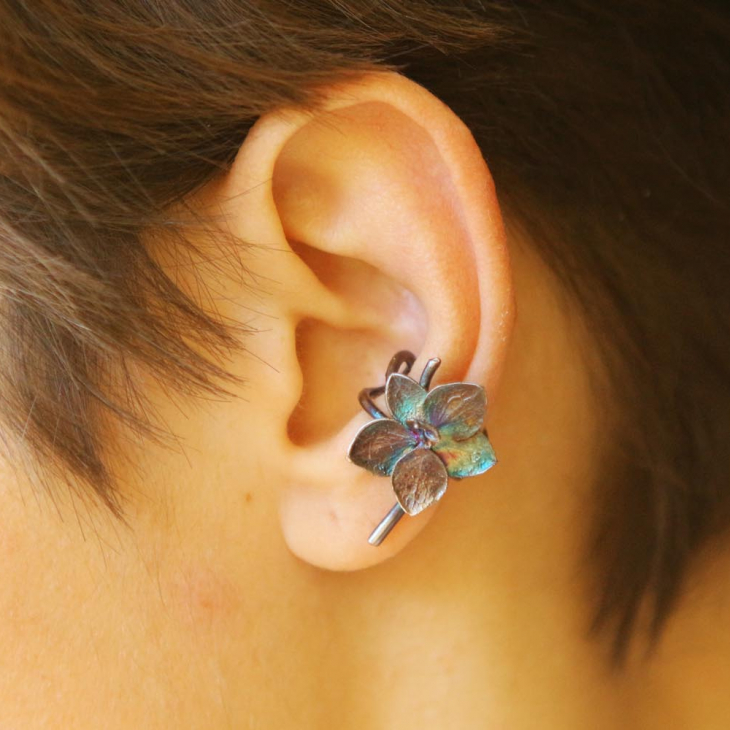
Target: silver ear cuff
(429, 436)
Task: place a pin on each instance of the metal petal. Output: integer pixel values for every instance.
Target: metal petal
(456, 409)
(378, 445)
(466, 458)
(419, 480)
(404, 397)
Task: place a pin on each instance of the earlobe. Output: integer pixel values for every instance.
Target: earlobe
(388, 207)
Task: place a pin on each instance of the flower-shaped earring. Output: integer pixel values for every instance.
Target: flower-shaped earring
(429, 437)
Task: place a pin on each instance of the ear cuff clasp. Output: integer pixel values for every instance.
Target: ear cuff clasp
(430, 435)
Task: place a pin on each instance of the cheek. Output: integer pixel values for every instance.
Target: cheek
(202, 597)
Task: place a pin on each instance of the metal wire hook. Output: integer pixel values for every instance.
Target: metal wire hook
(366, 395)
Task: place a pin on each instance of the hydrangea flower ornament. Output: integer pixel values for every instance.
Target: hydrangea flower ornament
(429, 437)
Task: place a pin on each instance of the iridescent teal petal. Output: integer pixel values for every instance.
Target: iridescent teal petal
(379, 444)
(419, 480)
(466, 458)
(404, 397)
(457, 409)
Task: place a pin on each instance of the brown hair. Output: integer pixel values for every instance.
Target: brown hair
(604, 124)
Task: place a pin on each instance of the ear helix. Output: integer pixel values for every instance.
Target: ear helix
(430, 435)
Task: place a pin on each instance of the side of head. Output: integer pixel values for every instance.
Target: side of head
(201, 268)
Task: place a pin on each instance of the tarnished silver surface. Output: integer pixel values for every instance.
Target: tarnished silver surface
(386, 525)
(402, 359)
(379, 444)
(457, 410)
(429, 371)
(466, 458)
(419, 480)
(404, 397)
(429, 437)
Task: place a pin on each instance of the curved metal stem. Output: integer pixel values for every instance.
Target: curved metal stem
(386, 525)
(429, 371)
(366, 395)
(402, 357)
(365, 398)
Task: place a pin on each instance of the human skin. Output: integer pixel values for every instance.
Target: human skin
(241, 593)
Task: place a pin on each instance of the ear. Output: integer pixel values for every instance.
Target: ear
(378, 220)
